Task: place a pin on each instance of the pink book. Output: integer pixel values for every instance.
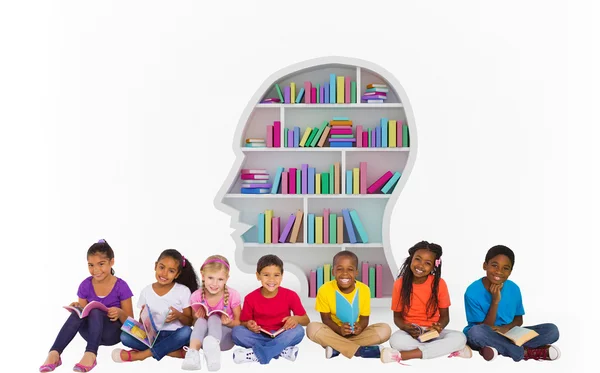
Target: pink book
(269, 136)
(307, 92)
(312, 284)
(274, 229)
(399, 133)
(365, 139)
(292, 181)
(313, 95)
(277, 134)
(363, 178)
(254, 171)
(364, 273)
(378, 281)
(287, 229)
(347, 90)
(340, 131)
(326, 225)
(255, 177)
(379, 183)
(284, 182)
(359, 136)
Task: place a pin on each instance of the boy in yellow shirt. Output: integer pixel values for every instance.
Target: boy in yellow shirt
(358, 339)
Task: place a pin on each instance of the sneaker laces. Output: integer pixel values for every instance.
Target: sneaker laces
(536, 353)
(454, 354)
(398, 359)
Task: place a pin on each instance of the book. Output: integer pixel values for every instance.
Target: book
(345, 311)
(391, 183)
(275, 221)
(144, 331)
(349, 228)
(426, 334)
(260, 226)
(85, 311)
(272, 334)
(378, 281)
(360, 229)
(268, 222)
(296, 228)
(253, 171)
(277, 134)
(309, 92)
(255, 190)
(278, 89)
(312, 287)
(379, 183)
(277, 180)
(287, 228)
(270, 136)
(197, 305)
(519, 335)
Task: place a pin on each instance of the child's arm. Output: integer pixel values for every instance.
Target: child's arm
(363, 322)
(443, 321)
(116, 313)
(342, 330)
(184, 317)
(490, 318)
(80, 303)
(291, 322)
(251, 325)
(225, 320)
(409, 328)
(517, 321)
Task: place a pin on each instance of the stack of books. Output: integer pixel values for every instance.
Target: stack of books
(255, 143)
(255, 181)
(375, 93)
(340, 135)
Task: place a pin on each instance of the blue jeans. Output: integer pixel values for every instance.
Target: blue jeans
(266, 348)
(482, 335)
(96, 329)
(167, 341)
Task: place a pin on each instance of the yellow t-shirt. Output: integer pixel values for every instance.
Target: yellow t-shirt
(325, 302)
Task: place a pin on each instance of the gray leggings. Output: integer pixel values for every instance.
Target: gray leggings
(214, 328)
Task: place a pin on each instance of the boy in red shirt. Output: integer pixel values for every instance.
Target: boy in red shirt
(268, 308)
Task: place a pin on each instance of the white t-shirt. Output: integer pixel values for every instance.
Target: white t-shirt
(178, 297)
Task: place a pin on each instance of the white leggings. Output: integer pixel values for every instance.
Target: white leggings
(448, 342)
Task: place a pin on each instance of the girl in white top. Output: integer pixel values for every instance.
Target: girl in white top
(168, 302)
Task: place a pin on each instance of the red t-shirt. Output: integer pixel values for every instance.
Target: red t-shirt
(268, 312)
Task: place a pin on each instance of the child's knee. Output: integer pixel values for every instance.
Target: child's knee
(297, 332)
(383, 331)
(312, 328)
(478, 333)
(96, 314)
(237, 333)
(552, 332)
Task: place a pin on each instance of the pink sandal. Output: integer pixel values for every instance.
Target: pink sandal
(83, 368)
(51, 367)
(116, 355)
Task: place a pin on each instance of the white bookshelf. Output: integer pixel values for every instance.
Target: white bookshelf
(374, 209)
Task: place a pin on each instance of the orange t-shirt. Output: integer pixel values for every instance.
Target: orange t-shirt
(418, 301)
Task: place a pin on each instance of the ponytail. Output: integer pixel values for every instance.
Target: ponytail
(187, 274)
(102, 247)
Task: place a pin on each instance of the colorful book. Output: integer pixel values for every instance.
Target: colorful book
(254, 171)
(278, 89)
(519, 335)
(144, 330)
(337, 178)
(326, 273)
(261, 182)
(326, 225)
(347, 90)
(277, 134)
(300, 95)
(313, 95)
(284, 182)
(257, 185)
(363, 177)
(287, 229)
(372, 281)
(339, 86)
(325, 183)
(318, 229)
(319, 277)
(360, 229)
(311, 180)
(349, 182)
(378, 281)
(332, 88)
(311, 228)
(307, 92)
(305, 137)
(399, 133)
(287, 92)
(320, 93)
(379, 183)
(355, 180)
(384, 132)
(296, 228)
(255, 176)
(312, 284)
(359, 136)
(255, 190)
(331, 179)
(349, 228)
(292, 93)
(318, 183)
(304, 178)
(269, 136)
(340, 144)
(365, 139)
(318, 134)
(260, 226)
(296, 137)
(290, 138)
(324, 136)
(255, 139)
(388, 187)
(353, 92)
(85, 311)
(392, 133)
(346, 311)
(277, 180)
(364, 273)
(298, 181)
(332, 228)
(405, 138)
(340, 229)
(341, 131)
(292, 181)
(268, 222)
(327, 94)
(274, 229)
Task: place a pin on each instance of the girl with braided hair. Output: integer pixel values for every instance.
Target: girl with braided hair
(213, 333)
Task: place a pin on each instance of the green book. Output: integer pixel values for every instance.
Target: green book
(342, 136)
(318, 98)
(369, 144)
(285, 137)
(298, 181)
(372, 281)
(332, 228)
(331, 179)
(405, 142)
(353, 92)
(315, 139)
(313, 133)
(324, 183)
(279, 93)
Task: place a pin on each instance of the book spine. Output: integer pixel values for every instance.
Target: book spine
(287, 228)
(300, 95)
(319, 229)
(277, 180)
(325, 225)
(384, 132)
(378, 281)
(259, 186)
(313, 95)
(295, 235)
(319, 278)
(326, 273)
(288, 94)
(275, 229)
(360, 229)
(378, 137)
(311, 228)
(340, 229)
(311, 180)
(392, 133)
(405, 136)
(379, 183)
(293, 93)
(268, 222)
(318, 183)
(307, 92)
(327, 94)
(391, 182)
(304, 178)
(269, 136)
(372, 281)
(332, 228)
(347, 90)
(278, 89)
(292, 181)
(296, 137)
(255, 190)
(324, 136)
(348, 181)
(277, 134)
(349, 228)
(364, 273)
(312, 291)
(290, 138)
(254, 177)
(305, 137)
(319, 94)
(353, 92)
(337, 178)
(332, 89)
(331, 179)
(284, 182)
(325, 183)
(399, 133)
(365, 139)
(356, 180)
(298, 181)
(261, 227)
(359, 136)
(340, 89)
(363, 177)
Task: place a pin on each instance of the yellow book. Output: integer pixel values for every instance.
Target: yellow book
(318, 229)
(305, 136)
(339, 87)
(356, 180)
(336, 178)
(318, 184)
(326, 272)
(391, 133)
(293, 92)
(268, 220)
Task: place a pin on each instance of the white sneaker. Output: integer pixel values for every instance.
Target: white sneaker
(192, 360)
(390, 355)
(244, 355)
(290, 353)
(212, 353)
(466, 353)
(553, 352)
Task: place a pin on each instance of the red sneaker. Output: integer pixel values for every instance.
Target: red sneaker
(542, 353)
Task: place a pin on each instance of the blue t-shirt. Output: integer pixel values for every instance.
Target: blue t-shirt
(478, 301)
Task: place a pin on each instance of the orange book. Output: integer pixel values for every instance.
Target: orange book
(340, 123)
(324, 137)
(340, 229)
(336, 177)
(296, 228)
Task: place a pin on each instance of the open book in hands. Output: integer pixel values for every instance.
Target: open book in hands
(196, 306)
(272, 335)
(144, 331)
(519, 335)
(425, 334)
(85, 311)
(345, 311)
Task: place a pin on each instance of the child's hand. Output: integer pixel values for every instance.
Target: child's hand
(253, 326)
(437, 326)
(357, 329)
(173, 315)
(290, 322)
(225, 320)
(75, 304)
(501, 329)
(200, 313)
(345, 329)
(495, 290)
(114, 313)
(412, 330)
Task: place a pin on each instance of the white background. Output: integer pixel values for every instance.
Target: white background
(117, 122)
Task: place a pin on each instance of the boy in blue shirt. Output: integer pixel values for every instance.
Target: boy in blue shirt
(493, 303)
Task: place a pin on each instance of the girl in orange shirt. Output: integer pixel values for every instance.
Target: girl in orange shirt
(420, 302)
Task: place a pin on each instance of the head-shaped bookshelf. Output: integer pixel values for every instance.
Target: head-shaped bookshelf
(385, 142)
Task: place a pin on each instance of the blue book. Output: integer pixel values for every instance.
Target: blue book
(346, 311)
(332, 89)
(378, 137)
(277, 180)
(391, 182)
(384, 132)
(319, 277)
(341, 118)
(349, 228)
(297, 138)
(340, 144)
(261, 228)
(311, 228)
(362, 233)
(311, 180)
(255, 190)
(300, 94)
(349, 182)
(326, 95)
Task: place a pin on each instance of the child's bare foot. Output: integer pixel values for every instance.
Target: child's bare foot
(52, 357)
(88, 359)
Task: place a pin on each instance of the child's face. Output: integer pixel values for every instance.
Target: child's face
(345, 270)
(99, 266)
(498, 269)
(422, 263)
(270, 278)
(167, 270)
(214, 281)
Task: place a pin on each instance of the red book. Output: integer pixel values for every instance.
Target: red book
(277, 134)
(313, 95)
(255, 177)
(307, 92)
(365, 139)
(284, 182)
(363, 177)
(274, 229)
(377, 185)
(378, 281)
(292, 181)
(341, 131)
(359, 136)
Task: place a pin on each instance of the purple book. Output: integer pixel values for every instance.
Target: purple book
(290, 139)
(288, 227)
(304, 178)
(257, 185)
(325, 97)
(342, 140)
(287, 94)
(321, 94)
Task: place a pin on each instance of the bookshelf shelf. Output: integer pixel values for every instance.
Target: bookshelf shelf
(301, 257)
